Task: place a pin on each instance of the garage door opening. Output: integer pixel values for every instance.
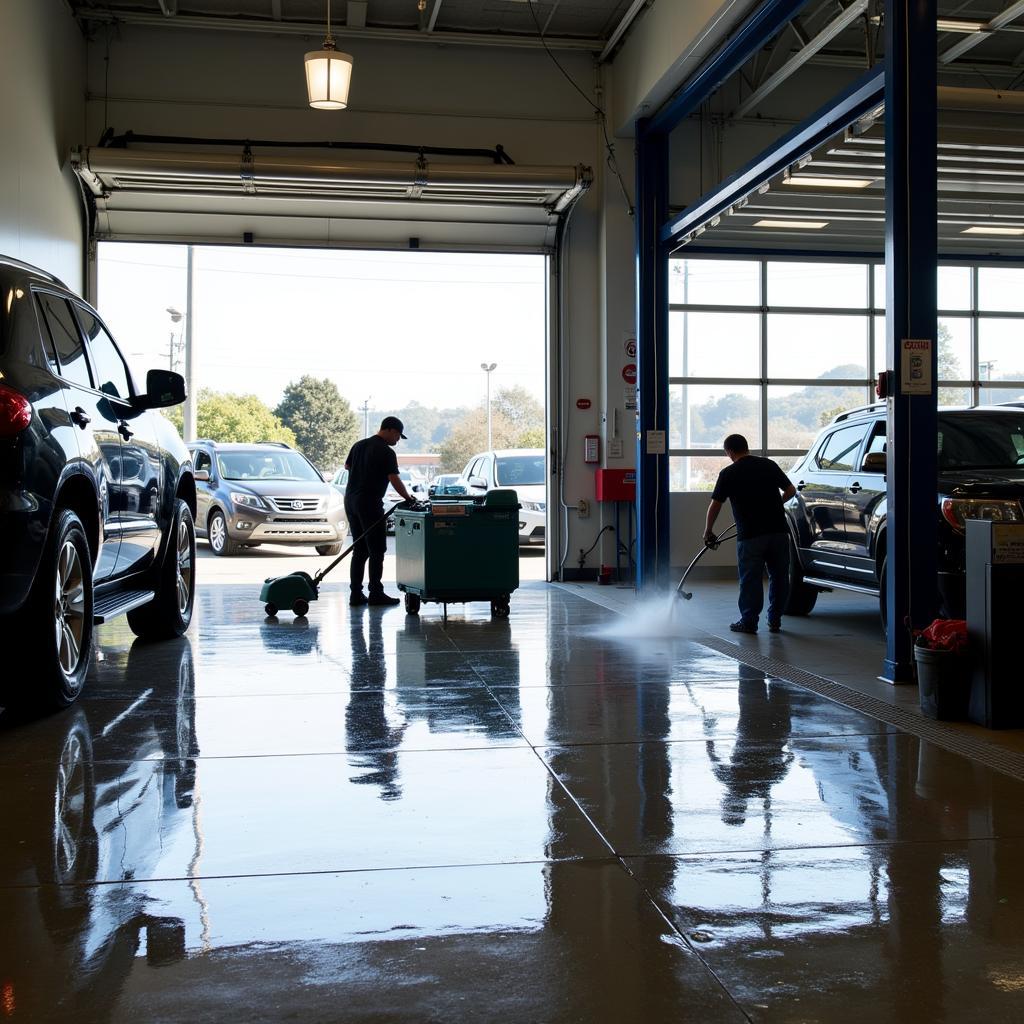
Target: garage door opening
(313, 348)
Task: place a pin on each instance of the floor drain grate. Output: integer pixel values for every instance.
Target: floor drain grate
(1005, 761)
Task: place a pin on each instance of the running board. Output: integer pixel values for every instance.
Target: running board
(119, 603)
(836, 585)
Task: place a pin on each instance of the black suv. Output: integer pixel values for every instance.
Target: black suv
(97, 497)
(837, 519)
(265, 493)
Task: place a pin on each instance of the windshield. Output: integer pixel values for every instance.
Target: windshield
(266, 465)
(992, 441)
(519, 470)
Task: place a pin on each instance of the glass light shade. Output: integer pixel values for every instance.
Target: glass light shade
(328, 75)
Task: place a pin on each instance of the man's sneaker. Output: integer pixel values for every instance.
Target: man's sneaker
(357, 599)
(384, 600)
(742, 627)
(774, 627)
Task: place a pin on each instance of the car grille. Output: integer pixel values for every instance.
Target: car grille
(295, 521)
(295, 504)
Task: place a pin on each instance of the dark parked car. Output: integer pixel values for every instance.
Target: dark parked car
(96, 491)
(252, 494)
(838, 516)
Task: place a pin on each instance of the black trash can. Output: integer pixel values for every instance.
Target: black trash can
(944, 683)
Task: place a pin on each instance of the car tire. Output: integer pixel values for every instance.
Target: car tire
(57, 623)
(327, 550)
(802, 597)
(217, 534)
(168, 615)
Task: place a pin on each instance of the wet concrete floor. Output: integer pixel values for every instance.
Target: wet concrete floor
(372, 817)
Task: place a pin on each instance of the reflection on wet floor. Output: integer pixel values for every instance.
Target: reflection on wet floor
(369, 817)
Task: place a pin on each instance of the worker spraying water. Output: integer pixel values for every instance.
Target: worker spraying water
(756, 488)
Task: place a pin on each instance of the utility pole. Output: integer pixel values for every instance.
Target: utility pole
(190, 412)
(366, 416)
(488, 368)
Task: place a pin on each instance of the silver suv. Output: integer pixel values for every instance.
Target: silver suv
(252, 494)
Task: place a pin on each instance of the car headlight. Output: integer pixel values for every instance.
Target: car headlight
(533, 506)
(249, 500)
(956, 511)
(336, 500)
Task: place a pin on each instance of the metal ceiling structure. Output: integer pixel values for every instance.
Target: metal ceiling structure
(595, 26)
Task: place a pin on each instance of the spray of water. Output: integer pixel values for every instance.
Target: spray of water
(661, 616)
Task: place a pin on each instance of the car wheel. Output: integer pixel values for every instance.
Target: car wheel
(802, 598)
(170, 612)
(57, 625)
(217, 532)
(328, 549)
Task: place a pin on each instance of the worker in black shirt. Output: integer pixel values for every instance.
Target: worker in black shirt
(757, 488)
(371, 466)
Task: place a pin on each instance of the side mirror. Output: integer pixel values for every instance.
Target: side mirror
(202, 476)
(478, 482)
(164, 388)
(874, 462)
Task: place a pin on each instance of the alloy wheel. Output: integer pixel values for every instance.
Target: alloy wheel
(69, 608)
(183, 567)
(218, 532)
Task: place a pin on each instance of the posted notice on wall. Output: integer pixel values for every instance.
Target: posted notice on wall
(916, 366)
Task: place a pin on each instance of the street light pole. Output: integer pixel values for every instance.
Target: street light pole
(487, 368)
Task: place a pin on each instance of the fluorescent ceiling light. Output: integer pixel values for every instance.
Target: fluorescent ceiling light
(798, 225)
(819, 181)
(960, 25)
(992, 230)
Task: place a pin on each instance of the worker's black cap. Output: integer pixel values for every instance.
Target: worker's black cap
(393, 423)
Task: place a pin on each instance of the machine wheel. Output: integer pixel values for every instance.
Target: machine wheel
(802, 597)
(170, 612)
(500, 607)
(412, 604)
(301, 607)
(328, 549)
(217, 532)
(56, 626)
(271, 610)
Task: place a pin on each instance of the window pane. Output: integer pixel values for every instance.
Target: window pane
(695, 473)
(879, 344)
(815, 345)
(67, 342)
(955, 396)
(954, 288)
(1001, 288)
(111, 372)
(838, 453)
(715, 282)
(879, 271)
(1001, 349)
(837, 285)
(703, 415)
(796, 415)
(714, 344)
(954, 348)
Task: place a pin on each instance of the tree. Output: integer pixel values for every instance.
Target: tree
(324, 424)
(519, 408)
(226, 417)
(950, 369)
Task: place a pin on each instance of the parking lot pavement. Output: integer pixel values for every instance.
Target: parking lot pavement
(257, 564)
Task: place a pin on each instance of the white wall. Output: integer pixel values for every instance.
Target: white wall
(42, 78)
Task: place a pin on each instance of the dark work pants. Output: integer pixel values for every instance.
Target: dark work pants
(371, 548)
(769, 551)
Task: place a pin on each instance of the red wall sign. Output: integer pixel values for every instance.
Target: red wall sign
(629, 373)
(582, 403)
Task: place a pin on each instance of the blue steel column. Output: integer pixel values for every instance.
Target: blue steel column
(652, 493)
(910, 261)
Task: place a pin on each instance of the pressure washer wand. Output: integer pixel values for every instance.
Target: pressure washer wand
(323, 572)
(712, 546)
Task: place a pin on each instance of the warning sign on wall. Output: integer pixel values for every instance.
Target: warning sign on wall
(916, 366)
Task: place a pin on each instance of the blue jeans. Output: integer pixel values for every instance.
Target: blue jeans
(769, 551)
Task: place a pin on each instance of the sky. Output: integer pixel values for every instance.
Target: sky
(391, 327)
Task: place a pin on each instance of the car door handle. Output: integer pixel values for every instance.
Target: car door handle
(81, 417)
(800, 485)
(124, 430)
(855, 487)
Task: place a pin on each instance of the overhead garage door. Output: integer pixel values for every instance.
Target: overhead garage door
(316, 198)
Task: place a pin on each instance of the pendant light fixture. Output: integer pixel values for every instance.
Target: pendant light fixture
(328, 74)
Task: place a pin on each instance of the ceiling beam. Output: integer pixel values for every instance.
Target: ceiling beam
(797, 61)
(275, 9)
(622, 28)
(308, 28)
(959, 48)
